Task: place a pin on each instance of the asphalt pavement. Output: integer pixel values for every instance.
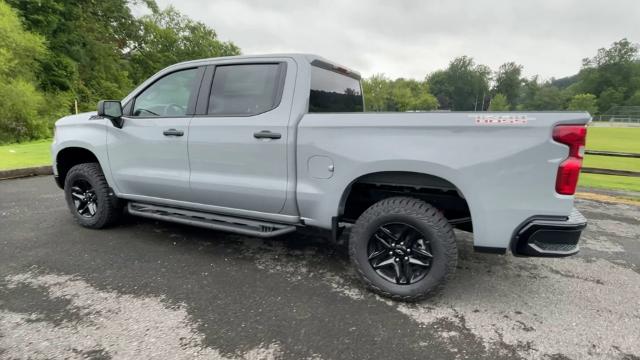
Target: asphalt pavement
(146, 289)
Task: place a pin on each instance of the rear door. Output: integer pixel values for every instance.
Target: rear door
(238, 142)
(149, 155)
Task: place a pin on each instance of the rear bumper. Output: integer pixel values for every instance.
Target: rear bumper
(548, 236)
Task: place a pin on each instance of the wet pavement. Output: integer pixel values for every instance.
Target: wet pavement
(147, 289)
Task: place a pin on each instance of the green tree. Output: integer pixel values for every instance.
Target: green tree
(611, 97)
(412, 95)
(383, 94)
(423, 100)
(377, 93)
(634, 100)
(20, 50)
(462, 85)
(584, 102)
(499, 102)
(99, 50)
(539, 96)
(21, 104)
(86, 43)
(508, 82)
(168, 37)
(613, 74)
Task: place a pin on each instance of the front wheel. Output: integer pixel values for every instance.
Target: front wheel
(88, 196)
(403, 248)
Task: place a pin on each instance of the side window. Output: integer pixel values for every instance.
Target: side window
(168, 96)
(244, 89)
(334, 92)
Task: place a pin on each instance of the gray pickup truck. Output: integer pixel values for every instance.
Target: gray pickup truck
(265, 145)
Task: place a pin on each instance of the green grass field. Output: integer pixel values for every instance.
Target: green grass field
(610, 162)
(610, 182)
(22, 155)
(612, 139)
(599, 138)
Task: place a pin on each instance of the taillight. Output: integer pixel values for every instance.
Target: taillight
(573, 136)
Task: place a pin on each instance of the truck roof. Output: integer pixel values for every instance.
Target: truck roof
(300, 57)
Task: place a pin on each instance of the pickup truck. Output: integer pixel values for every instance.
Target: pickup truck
(265, 145)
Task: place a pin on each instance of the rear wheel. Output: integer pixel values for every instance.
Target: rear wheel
(403, 248)
(88, 196)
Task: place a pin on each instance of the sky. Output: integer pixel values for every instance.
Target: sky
(414, 38)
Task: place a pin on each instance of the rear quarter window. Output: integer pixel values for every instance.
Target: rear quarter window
(334, 92)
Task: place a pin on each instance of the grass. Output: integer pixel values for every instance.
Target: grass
(23, 155)
(610, 162)
(610, 182)
(614, 139)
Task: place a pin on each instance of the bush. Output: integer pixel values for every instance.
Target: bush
(499, 103)
(20, 112)
(584, 102)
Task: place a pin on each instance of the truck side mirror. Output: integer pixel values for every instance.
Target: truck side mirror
(112, 110)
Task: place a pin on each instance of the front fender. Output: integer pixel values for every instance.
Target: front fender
(78, 131)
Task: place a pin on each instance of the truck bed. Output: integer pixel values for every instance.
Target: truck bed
(503, 164)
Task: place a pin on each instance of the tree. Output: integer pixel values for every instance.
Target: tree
(508, 82)
(383, 94)
(611, 97)
(539, 96)
(584, 102)
(499, 103)
(99, 50)
(86, 41)
(21, 104)
(634, 100)
(613, 74)
(168, 37)
(377, 92)
(462, 85)
(423, 100)
(94, 50)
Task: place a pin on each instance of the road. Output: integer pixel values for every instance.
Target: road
(147, 289)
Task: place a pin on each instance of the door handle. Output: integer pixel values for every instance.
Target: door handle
(266, 134)
(173, 132)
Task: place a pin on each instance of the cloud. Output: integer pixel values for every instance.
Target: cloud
(414, 38)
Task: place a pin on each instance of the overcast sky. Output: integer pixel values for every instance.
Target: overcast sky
(414, 38)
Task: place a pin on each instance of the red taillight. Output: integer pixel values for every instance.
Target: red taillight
(573, 136)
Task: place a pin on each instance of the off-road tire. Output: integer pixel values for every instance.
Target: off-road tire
(427, 220)
(108, 207)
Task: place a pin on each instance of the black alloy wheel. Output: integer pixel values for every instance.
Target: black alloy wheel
(400, 253)
(89, 197)
(84, 198)
(403, 248)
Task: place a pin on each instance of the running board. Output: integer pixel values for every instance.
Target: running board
(236, 225)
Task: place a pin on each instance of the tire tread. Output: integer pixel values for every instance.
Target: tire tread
(111, 210)
(422, 211)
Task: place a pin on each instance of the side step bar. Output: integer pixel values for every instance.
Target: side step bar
(242, 226)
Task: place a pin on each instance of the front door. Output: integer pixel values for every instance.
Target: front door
(149, 156)
(238, 146)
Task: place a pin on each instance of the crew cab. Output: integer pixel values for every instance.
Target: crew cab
(265, 145)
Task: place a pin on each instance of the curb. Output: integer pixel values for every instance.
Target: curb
(26, 172)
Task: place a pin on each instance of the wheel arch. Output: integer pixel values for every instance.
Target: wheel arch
(372, 187)
(71, 156)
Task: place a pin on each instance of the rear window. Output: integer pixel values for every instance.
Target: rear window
(334, 92)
